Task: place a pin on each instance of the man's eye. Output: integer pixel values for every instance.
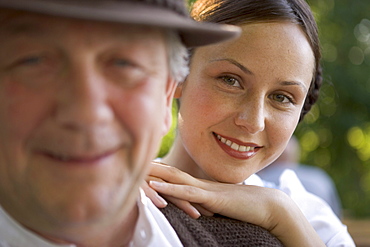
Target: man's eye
(122, 62)
(32, 60)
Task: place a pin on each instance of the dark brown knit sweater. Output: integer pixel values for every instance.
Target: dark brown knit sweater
(217, 231)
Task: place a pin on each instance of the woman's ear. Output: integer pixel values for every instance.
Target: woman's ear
(178, 91)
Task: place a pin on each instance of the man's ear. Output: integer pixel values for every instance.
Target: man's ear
(170, 91)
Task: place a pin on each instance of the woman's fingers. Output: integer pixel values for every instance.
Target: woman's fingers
(186, 206)
(202, 210)
(226, 199)
(152, 178)
(157, 200)
(160, 202)
(184, 192)
(172, 174)
(185, 197)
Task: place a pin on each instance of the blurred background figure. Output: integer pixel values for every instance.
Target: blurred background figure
(313, 178)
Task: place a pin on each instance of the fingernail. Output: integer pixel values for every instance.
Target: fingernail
(196, 212)
(163, 201)
(155, 184)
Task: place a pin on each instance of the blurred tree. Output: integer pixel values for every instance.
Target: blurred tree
(170, 137)
(335, 135)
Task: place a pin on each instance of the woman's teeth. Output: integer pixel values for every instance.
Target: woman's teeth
(235, 146)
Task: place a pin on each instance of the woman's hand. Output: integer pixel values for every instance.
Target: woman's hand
(193, 210)
(231, 200)
(268, 208)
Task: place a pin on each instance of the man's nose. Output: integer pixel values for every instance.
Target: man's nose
(83, 98)
(251, 116)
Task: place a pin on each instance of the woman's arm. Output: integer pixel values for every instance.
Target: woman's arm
(268, 208)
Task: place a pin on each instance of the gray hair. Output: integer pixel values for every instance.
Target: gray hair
(178, 57)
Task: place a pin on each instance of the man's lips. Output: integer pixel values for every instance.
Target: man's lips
(78, 158)
(236, 148)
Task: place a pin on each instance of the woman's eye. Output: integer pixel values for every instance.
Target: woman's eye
(230, 81)
(282, 98)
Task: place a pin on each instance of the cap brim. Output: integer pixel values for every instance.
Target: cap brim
(192, 33)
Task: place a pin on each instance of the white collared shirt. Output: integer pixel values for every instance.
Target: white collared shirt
(152, 229)
(322, 218)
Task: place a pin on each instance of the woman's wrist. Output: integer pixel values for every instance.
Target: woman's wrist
(290, 226)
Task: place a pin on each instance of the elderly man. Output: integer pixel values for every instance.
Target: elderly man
(85, 97)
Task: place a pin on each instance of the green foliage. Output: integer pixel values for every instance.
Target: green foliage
(336, 133)
(170, 137)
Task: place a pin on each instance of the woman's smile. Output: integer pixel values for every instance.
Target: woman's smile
(236, 148)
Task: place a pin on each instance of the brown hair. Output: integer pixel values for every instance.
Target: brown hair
(239, 12)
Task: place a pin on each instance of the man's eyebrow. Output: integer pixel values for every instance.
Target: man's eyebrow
(236, 63)
(20, 28)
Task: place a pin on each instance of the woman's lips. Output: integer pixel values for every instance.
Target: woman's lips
(235, 148)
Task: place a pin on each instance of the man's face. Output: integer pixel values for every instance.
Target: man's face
(83, 106)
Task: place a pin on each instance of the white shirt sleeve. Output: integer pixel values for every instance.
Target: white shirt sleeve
(317, 211)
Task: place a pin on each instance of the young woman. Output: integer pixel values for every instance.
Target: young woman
(239, 106)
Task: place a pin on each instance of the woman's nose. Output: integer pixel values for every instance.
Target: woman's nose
(251, 117)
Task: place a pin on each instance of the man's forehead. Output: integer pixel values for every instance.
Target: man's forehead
(16, 22)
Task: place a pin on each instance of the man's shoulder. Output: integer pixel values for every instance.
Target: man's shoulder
(217, 230)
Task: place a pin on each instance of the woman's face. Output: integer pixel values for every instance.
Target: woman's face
(242, 100)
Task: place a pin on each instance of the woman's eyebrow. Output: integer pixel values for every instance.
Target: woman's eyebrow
(294, 83)
(239, 65)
